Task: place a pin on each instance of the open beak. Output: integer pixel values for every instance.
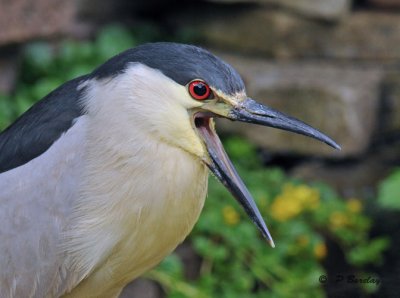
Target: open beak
(252, 112)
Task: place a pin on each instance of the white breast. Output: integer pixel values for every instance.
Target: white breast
(133, 215)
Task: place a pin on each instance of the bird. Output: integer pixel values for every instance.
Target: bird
(107, 174)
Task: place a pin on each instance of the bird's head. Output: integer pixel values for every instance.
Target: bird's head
(174, 91)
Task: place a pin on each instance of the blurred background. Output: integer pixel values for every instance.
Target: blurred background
(335, 64)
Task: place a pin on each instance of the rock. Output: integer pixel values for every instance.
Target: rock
(324, 9)
(339, 100)
(276, 34)
(390, 116)
(367, 35)
(385, 3)
(22, 20)
(142, 288)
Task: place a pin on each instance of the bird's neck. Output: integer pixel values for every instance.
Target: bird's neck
(141, 197)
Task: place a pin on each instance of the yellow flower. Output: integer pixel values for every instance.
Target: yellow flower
(305, 194)
(338, 220)
(231, 216)
(283, 209)
(293, 200)
(354, 205)
(320, 250)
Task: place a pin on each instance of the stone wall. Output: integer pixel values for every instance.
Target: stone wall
(318, 60)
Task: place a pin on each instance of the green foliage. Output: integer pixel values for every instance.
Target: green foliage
(6, 111)
(45, 67)
(389, 191)
(236, 260)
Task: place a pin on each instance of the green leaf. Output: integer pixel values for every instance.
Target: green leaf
(39, 54)
(389, 191)
(368, 252)
(6, 111)
(112, 40)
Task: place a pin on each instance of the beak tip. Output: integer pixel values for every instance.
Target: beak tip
(268, 236)
(335, 145)
(271, 242)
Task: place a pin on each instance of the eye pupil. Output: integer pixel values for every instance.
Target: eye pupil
(199, 90)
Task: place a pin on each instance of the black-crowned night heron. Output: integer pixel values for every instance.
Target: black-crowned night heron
(106, 175)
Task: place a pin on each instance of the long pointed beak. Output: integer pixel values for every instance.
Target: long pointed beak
(252, 112)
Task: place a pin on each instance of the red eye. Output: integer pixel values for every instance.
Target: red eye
(199, 90)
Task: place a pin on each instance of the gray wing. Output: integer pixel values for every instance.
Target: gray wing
(37, 129)
(35, 202)
(40, 156)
